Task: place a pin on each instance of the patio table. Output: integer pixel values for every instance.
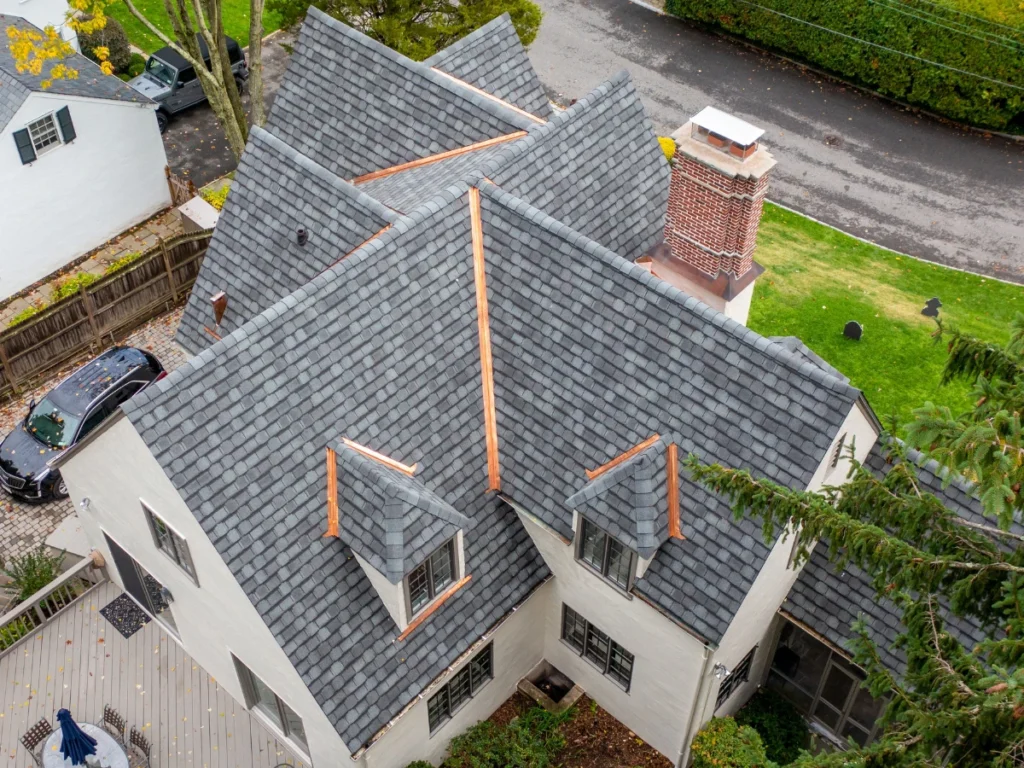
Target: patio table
(110, 753)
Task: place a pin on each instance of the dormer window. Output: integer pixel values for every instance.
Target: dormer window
(431, 577)
(605, 554)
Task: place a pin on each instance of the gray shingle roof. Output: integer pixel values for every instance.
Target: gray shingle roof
(630, 501)
(91, 82)
(254, 255)
(354, 106)
(829, 600)
(596, 167)
(494, 60)
(391, 520)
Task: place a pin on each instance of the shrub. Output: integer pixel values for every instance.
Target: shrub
(668, 146)
(26, 313)
(32, 571)
(781, 728)
(136, 65)
(722, 743)
(71, 285)
(216, 197)
(419, 764)
(928, 34)
(529, 741)
(116, 266)
(113, 38)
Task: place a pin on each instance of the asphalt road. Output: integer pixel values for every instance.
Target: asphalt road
(904, 181)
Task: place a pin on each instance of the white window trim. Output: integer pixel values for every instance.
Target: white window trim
(302, 752)
(460, 568)
(52, 117)
(148, 513)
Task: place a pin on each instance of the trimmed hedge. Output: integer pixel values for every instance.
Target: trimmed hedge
(911, 27)
(721, 743)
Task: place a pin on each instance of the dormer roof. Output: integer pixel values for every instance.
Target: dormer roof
(630, 500)
(388, 517)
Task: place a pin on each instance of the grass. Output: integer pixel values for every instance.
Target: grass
(817, 279)
(236, 22)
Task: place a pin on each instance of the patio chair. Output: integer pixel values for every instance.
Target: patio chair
(138, 750)
(34, 738)
(114, 724)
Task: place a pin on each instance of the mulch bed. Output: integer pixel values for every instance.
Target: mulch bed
(594, 739)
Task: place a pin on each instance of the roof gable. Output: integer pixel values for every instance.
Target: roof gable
(493, 59)
(355, 106)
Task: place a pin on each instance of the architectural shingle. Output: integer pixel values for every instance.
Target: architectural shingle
(493, 59)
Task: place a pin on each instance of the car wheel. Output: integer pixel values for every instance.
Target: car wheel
(60, 488)
(240, 83)
(161, 121)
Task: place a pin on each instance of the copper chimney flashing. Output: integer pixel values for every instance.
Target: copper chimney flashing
(220, 305)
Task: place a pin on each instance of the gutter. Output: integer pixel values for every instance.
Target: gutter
(684, 750)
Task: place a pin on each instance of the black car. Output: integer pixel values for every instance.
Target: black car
(68, 413)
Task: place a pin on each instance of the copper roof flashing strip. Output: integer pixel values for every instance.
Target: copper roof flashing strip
(438, 157)
(492, 97)
(622, 457)
(672, 479)
(436, 604)
(484, 329)
(332, 494)
(385, 460)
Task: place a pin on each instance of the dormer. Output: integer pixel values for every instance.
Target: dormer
(627, 510)
(407, 539)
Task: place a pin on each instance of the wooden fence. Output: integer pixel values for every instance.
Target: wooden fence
(93, 317)
(182, 190)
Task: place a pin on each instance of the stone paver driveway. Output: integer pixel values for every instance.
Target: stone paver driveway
(24, 526)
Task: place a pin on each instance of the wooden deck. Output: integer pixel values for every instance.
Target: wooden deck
(81, 662)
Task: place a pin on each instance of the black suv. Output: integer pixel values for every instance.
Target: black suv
(69, 412)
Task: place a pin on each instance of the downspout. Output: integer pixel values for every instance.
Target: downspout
(684, 750)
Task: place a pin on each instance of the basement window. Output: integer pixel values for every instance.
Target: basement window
(605, 554)
(431, 577)
(464, 685)
(596, 647)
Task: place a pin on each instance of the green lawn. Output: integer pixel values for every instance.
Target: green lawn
(816, 279)
(236, 22)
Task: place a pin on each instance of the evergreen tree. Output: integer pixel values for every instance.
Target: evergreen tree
(953, 706)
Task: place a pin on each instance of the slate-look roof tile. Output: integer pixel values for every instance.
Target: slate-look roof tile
(91, 82)
(355, 106)
(391, 520)
(254, 255)
(493, 59)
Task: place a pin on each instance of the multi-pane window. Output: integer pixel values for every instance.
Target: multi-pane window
(258, 695)
(837, 452)
(464, 685)
(605, 554)
(43, 133)
(169, 542)
(735, 678)
(595, 646)
(430, 577)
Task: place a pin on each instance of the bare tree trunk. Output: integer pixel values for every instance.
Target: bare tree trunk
(256, 113)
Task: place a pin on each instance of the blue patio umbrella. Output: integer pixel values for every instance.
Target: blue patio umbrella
(75, 743)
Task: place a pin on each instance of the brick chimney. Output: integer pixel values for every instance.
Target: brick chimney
(719, 180)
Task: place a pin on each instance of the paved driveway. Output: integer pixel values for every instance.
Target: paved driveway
(194, 141)
(906, 182)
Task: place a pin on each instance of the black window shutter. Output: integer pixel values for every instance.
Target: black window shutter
(67, 128)
(25, 148)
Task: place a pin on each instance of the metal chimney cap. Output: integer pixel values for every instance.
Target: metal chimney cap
(727, 126)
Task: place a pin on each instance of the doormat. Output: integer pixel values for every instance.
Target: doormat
(125, 614)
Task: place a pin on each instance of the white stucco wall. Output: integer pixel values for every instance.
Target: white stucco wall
(78, 195)
(41, 13)
(392, 595)
(667, 659)
(518, 648)
(115, 472)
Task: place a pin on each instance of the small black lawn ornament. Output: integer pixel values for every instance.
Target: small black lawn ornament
(853, 330)
(931, 307)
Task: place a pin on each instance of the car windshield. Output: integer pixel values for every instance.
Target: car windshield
(160, 71)
(51, 425)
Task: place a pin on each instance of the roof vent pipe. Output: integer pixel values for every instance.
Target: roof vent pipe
(302, 236)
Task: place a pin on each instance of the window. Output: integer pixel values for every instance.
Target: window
(605, 554)
(170, 543)
(259, 696)
(736, 678)
(430, 577)
(594, 645)
(838, 452)
(464, 685)
(44, 134)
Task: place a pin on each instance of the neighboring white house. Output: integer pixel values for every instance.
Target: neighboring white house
(80, 162)
(41, 13)
(433, 444)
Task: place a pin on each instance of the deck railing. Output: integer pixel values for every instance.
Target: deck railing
(44, 605)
